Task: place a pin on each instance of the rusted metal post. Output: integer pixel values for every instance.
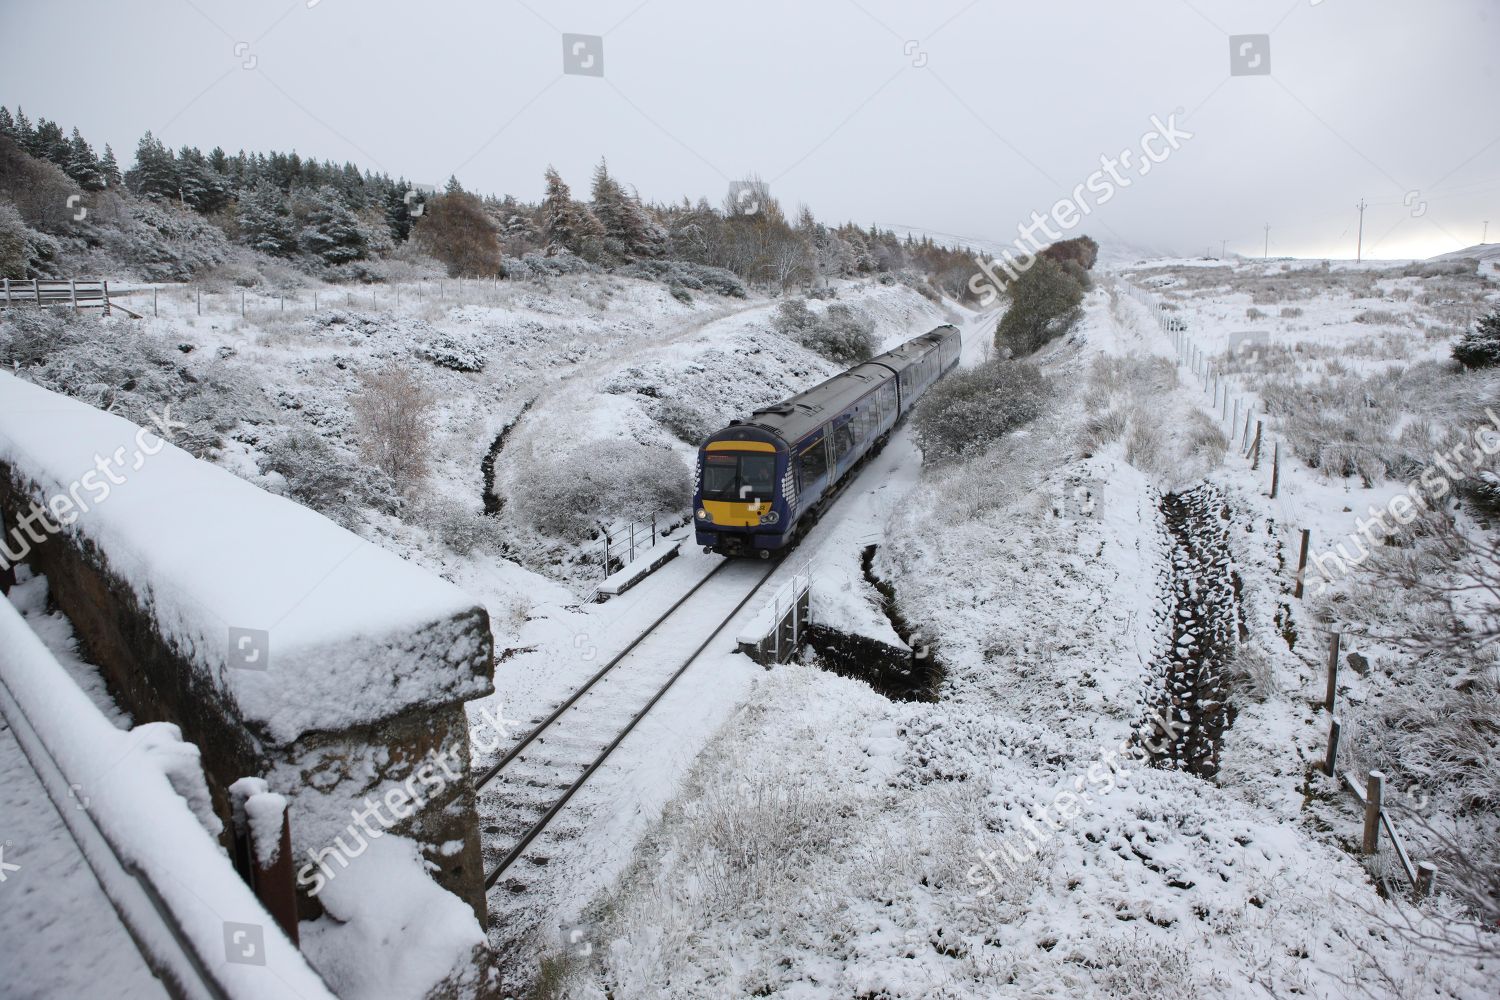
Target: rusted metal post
(1333, 670)
(271, 859)
(1331, 758)
(1302, 563)
(1374, 797)
(1425, 875)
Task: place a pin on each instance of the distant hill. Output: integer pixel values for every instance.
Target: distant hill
(1481, 252)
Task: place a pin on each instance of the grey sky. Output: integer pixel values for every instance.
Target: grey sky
(953, 116)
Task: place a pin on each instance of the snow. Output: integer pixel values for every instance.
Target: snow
(355, 634)
(142, 792)
(390, 933)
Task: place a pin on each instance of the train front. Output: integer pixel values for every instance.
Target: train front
(739, 503)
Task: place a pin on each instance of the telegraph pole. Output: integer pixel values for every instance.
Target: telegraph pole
(1359, 254)
(1267, 254)
(1223, 248)
(1486, 235)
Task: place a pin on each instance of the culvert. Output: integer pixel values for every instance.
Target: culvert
(914, 674)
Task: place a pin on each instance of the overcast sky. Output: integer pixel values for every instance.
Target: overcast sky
(953, 116)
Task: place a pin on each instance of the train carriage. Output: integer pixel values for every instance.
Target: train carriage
(763, 480)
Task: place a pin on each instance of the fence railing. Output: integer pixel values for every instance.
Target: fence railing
(623, 543)
(791, 613)
(69, 292)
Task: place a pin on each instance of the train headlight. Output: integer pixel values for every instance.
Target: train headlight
(702, 514)
(770, 518)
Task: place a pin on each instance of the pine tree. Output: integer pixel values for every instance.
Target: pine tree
(83, 166)
(154, 175)
(566, 224)
(110, 167)
(453, 187)
(49, 143)
(265, 223)
(331, 232)
(7, 124)
(1480, 347)
(25, 134)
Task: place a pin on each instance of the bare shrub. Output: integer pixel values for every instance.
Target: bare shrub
(1100, 429)
(393, 413)
(1376, 317)
(598, 484)
(1291, 312)
(1254, 313)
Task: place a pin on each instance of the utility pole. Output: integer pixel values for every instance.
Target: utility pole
(1486, 235)
(1223, 248)
(1359, 253)
(1267, 254)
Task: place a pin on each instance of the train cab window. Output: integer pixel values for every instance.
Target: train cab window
(729, 476)
(813, 463)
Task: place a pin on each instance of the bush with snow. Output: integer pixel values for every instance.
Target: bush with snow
(838, 334)
(319, 476)
(1044, 304)
(600, 483)
(393, 415)
(971, 408)
(1480, 347)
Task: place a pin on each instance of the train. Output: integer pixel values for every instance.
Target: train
(762, 481)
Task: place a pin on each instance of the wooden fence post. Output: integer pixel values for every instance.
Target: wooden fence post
(1255, 448)
(73, 293)
(1236, 421)
(1374, 797)
(1331, 758)
(1302, 563)
(242, 303)
(153, 301)
(200, 302)
(1333, 670)
(1245, 439)
(1275, 469)
(7, 291)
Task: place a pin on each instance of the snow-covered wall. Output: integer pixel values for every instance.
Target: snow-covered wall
(281, 644)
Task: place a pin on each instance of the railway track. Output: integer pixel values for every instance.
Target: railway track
(522, 793)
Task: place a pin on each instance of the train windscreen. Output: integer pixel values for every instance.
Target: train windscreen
(727, 476)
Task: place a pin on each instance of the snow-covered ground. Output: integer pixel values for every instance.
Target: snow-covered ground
(793, 833)
(1007, 840)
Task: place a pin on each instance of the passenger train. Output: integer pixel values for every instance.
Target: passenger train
(764, 480)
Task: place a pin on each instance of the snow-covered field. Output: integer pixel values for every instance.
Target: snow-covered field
(1008, 840)
(793, 833)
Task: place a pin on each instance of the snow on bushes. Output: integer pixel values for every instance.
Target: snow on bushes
(600, 483)
(838, 333)
(316, 475)
(973, 407)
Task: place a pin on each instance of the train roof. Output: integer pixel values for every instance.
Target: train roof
(794, 418)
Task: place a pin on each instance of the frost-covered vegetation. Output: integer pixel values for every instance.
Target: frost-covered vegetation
(837, 333)
(971, 408)
(174, 214)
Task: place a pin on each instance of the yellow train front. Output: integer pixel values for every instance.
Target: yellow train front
(763, 481)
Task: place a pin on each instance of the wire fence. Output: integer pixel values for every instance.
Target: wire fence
(199, 300)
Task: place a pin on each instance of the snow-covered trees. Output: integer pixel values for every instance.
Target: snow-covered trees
(1480, 347)
(330, 231)
(154, 175)
(265, 221)
(568, 225)
(629, 230)
(839, 334)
